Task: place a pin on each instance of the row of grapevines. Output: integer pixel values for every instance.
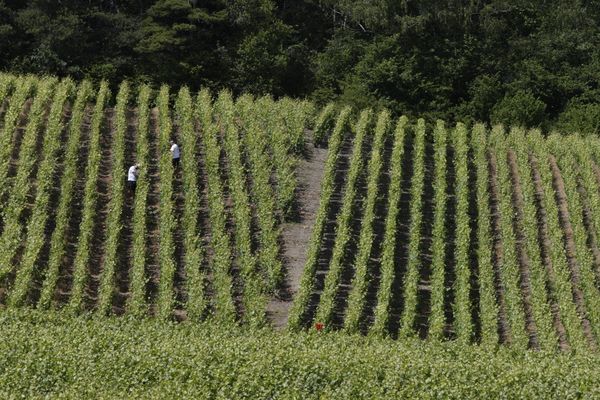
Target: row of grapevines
(90, 196)
(411, 279)
(115, 205)
(296, 116)
(593, 144)
(343, 223)
(136, 303)
(568, 167)
(542, 315)
(11, 236)
(356, 297)
(388, 265)
(591, 150)
(58, 241)
(196, 303)
(37, 223)
(242, 216)
(281, 143)
(7, 83)
(306, 118)
(589, 183)
(509, 265)
(256, 145)
(166, 250)
(463, 326)
(19, 90)
(221, 263)
(487, 298)
(24, 88)
(286, 143)
(324, 124)
(438, 246)
(561, 287)
(254, 300)
(307, 283)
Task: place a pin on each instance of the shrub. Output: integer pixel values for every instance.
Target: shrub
(521, 108)
(580, 118)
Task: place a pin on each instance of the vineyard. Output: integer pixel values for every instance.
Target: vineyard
(347, 252)
(282, 216)
(195, 241)
(449, 232)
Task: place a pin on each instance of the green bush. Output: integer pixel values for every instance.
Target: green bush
(580, 118)
(519, 109)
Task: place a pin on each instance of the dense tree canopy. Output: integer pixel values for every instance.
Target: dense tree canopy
(515, 61)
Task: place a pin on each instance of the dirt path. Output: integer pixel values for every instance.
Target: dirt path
(524, 260)
(544, 239)
(330, 230)
(563, 211)
(498, 251)
(296, 235)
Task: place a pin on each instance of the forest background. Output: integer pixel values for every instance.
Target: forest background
(533, 63)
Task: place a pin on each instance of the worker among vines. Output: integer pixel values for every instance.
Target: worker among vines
(175, 153)
(132, 176)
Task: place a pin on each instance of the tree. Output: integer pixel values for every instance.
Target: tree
(581, 118)
(179, 43)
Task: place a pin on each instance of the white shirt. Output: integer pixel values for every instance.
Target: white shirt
(175, 150)
(132, 174)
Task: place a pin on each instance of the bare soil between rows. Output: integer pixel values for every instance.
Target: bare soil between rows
(296, 234)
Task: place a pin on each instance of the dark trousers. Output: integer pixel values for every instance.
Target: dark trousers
(131, 185)
(176, 162)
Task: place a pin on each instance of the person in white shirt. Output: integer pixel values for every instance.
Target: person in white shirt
(132, 176)
(175, 153)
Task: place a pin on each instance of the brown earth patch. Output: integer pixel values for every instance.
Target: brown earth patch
(295, 235)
